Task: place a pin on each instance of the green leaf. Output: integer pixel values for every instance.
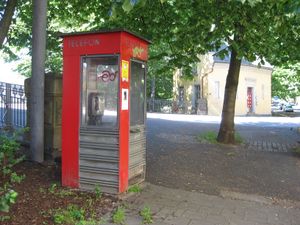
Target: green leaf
(142, 3)
(127, 6)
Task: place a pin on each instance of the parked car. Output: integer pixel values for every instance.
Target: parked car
(288, 108)
(275, 106)
(296, 107)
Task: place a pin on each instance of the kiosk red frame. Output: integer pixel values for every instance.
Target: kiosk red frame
(92, 156)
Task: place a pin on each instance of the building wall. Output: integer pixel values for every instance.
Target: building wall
(188, 87)
(259, 79)
(204, 67)
(212, 77)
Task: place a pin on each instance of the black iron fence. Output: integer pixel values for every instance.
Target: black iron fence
(12, 105)
(165, 106)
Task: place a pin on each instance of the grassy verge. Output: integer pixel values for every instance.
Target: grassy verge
(211, 137)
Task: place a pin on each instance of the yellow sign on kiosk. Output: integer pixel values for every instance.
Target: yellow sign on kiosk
(125, 70)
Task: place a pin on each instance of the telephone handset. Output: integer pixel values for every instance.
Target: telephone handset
(96, 105)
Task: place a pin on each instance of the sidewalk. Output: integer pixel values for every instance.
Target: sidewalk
(178, 207)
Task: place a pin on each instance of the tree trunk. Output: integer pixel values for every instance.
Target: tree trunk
(38, 79)
(6, 19)
(226, 132)
(152, 94)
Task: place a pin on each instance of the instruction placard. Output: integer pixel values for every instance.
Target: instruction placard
(124, 99)
(125, 70)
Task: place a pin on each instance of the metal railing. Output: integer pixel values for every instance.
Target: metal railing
(12, 105)
(165, 106)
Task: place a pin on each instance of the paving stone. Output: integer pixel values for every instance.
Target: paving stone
(188, 205)
(194, 215)
(295, 213)
(204, 209)
(217, 219)
(164, 213)
(233, 214)
(179, 212)
(133, 220)
(203, 222)
(177, 220)
(236, 221)
(215, 210)
(256, 216)
(286, 218)
(264, 146)
(163, 202)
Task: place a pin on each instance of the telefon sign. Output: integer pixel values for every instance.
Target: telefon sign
(83, 42)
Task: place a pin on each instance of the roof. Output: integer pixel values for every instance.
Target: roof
(102, 31)
(245, 62)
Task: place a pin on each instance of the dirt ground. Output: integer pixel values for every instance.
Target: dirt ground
(40, 195)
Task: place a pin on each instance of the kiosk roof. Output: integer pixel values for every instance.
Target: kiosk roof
(101, 31)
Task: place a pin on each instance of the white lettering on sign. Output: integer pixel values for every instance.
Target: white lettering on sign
(83, 42)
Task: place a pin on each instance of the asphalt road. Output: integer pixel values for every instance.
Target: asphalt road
(175, 158)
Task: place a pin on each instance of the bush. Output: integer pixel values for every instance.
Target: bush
(8, 159)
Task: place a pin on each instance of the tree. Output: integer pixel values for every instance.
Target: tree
(7, 9)
(75, 17)
(286, 81)
(181, 30)
(37, 83)
(252, 29)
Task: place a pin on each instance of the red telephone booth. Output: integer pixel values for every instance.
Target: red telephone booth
(104, 110)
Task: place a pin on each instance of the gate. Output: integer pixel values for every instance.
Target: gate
(12, 105)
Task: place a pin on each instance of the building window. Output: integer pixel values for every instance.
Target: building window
(197, 91)
(194, 69)
(263, 92)
(181, 94)
(217, 89)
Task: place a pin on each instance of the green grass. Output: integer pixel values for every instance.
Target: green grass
(238, 138)
(296, 150)
(118, 216)
(211, 137)
(52, 188)
(208, 137)
(72, 215)
(146, 214)
(134, 189)
(98, 191)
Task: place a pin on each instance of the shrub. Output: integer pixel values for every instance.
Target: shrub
(8, 159)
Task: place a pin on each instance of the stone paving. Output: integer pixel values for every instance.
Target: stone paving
(178, 207)
(268, 146)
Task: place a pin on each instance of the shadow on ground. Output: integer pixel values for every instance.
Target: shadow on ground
(176, 159)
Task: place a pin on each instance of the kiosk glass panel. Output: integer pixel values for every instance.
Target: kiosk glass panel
(100, 91)
(137, 93)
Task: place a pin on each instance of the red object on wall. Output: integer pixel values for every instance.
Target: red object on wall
(249, 98)
(114, 42)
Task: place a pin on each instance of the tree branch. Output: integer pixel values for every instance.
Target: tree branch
(6, 20)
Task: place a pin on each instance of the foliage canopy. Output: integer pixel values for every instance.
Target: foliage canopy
(286, 81)
(180, 30)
